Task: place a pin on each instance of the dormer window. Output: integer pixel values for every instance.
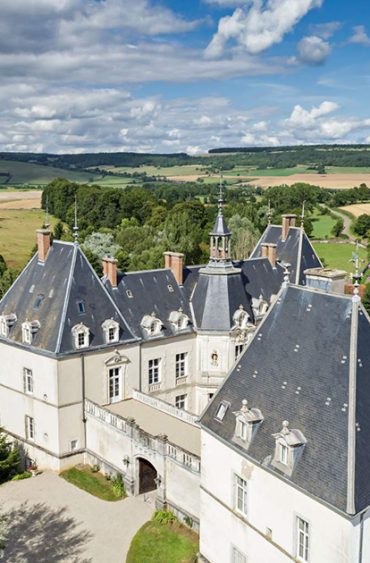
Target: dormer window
(260, 307)
(289, 446)
(179, 320)
(81, 336)
(111, 331)
(6, 322)
(151, 325)
(29, 329)
(246, 424)
(241, 319)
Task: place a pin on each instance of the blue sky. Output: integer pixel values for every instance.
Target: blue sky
(170, 76)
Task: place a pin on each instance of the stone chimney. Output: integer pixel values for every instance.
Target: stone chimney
(110, 270)
(271, 254)
(287, 222)
(175, 262)
(43, 243)
(265, 250)
(328, 279)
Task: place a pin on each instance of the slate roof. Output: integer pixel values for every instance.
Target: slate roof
(220, 227)
(65, 279)
(297, 369)
(152, 291)
(296, 250)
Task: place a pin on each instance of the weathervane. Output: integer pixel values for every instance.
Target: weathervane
(220, 196)
(269, 213)
(47, 224)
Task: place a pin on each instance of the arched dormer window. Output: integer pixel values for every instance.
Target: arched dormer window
(6, 322)
(151, 325)
(29, 329)
(241, 318)
(111, 331)
(179, 320)
(81, 336)
(289, 446)
(246, 424)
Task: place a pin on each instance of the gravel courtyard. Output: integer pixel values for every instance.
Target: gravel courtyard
(50, 520)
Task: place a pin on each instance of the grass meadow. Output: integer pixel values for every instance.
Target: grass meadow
(338, 255)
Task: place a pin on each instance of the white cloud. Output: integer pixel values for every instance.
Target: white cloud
(260, 25)
(313, 50)
(301, 117)
(325, 30)
(360, 36)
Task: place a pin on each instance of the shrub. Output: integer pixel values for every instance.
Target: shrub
(188, 521)
(164, 517)
(118, 485)
(21, 476)
(95, 468)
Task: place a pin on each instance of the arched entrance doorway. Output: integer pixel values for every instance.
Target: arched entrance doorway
(147, 476)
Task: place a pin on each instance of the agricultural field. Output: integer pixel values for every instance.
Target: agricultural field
(357, 209)
(27, 173)
(166, 171)
(330, 181)
(338, 255)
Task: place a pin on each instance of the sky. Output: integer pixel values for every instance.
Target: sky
(169, 76)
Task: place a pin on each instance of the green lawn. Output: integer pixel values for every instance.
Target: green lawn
(94, 483)
(338, 255)
(163, 543)
(322, 226)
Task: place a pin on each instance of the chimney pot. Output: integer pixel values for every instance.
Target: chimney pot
(272, 254)
(110, 270)
(265, 250)
(43, 243)
(287, 222)
(175, 261)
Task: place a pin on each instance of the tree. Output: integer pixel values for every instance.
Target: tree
(338, 227)
(101, 244)
(362, 225)
(58, 231)
(9, 457)
(3, 265)
(244, 237)
(366, 298)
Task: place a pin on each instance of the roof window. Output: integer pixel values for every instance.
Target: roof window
(246, 424)
(170, 288)
(222, 410)
(179, 320)
(6, 322)
(29, 329)
(81, 336)
(111, 331)
(38, 301)
(289, 447)
(151, 325)
(81, 307)
(129, 293)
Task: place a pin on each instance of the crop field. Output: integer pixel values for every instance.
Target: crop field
(17, 234)
(330, 181)
(167, 171)
(357, 209)
(21, 173)
(338, 255)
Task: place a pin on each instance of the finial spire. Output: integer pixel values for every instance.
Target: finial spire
(75, 227)
(220, 196)
(356, 277)
(47, 224)
(303, 215)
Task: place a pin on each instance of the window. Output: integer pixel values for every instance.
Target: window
(221, 411)
(74, 445)
(284, 454)
(111, 331)
(27, 380)
(238, 350)
(111, 334)
(240, 494)
(114, 384)
(170, 288)
(243, 429)
(237, 556)
(30, 428)
(180, 401)
(81, 335)
(302, 539)
(154, 371)
(81, 307)
(181, 366)
(38, 301)
(210, 396)
(129, 293)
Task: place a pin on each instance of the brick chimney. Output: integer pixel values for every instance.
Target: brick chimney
(175, 261)
(271, 255)
(265, 250)
(43, 243)
(287, 222)
(110, 270)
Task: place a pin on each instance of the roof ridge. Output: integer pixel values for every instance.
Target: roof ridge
(351, 445)
(66, 299)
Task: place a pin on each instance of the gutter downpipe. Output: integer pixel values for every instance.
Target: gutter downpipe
(361, 537)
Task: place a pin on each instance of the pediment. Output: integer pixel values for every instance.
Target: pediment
(116, 359)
